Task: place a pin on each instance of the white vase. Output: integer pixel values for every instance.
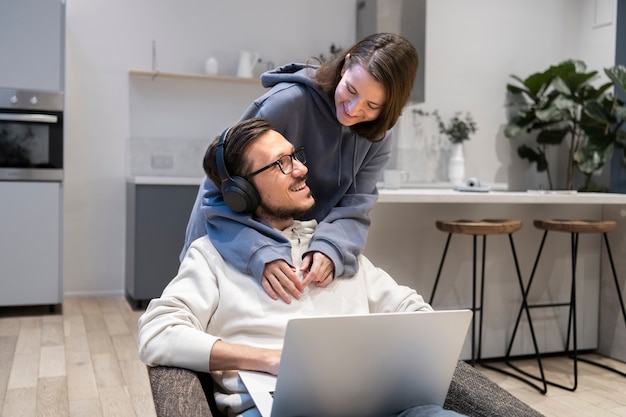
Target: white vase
(456, 164)
(211, 66)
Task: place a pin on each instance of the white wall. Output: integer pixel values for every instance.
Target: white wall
(472, 48)
(106, 39)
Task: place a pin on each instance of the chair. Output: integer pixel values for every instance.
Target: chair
(574, 228)
(179, 392)
(183, 393)
(485, 228)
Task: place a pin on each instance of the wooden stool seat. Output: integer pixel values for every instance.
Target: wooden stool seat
(479, 227)
(576, 226)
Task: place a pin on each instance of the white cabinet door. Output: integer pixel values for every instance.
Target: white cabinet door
(32, 44)
(30, 243)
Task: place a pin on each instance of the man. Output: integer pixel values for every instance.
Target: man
(211, 317)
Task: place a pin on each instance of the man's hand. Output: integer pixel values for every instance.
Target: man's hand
(280, 280)
(317, 267)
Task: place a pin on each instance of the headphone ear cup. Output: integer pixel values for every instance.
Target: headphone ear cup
(240, 196)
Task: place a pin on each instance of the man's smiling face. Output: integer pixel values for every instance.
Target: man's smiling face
(283, 196)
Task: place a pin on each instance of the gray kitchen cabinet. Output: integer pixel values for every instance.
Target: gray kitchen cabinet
(30, 243)
(156, 220)
(32, 44)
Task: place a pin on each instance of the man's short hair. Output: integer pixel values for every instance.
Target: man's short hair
(237, 140)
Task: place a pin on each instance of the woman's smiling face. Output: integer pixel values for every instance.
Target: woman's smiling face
(358, 96)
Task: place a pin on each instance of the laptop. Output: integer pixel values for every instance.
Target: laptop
(362, 365)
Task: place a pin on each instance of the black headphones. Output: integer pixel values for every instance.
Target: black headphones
(239, 195)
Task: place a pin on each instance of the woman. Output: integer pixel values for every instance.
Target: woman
(342, 113)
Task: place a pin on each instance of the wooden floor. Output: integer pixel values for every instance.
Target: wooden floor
(599, 392)
(84, 362)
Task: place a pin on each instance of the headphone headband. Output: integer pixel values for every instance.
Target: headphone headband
(221, 161)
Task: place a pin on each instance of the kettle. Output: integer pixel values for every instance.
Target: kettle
(247, 61)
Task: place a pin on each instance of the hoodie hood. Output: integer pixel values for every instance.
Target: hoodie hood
(290, 73)
(301, 74)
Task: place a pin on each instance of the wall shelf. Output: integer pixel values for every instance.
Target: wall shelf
(189, 76)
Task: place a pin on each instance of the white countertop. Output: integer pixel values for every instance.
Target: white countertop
(440, 195)
(154, 180)
(444, 195)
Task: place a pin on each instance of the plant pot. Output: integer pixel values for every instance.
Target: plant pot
(456, 164)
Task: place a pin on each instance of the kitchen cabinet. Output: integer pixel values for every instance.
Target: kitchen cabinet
(156, 220)
(30, 243)
(32, 44)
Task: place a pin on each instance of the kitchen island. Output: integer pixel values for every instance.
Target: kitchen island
(404, 241)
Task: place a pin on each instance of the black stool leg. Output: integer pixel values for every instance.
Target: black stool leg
(621, 302)
(572, 325)
(524, 308)
(482, 297)
(571, 316)
(615, 280)
(443, 258)
(474, 307)
(572, 333)
(474, 299)
(525, 294)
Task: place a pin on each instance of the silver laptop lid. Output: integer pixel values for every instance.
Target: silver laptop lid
(368, 365)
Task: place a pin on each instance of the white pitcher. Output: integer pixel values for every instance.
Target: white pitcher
(211, 66)
(247, 61)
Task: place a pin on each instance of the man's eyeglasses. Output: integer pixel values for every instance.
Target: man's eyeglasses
(285, 163)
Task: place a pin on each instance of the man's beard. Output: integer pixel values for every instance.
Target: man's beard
(282, 213)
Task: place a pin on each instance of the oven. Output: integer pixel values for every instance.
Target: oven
(31, 135)
(31, 178)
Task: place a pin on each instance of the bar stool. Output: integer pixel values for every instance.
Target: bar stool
(574, 228)
(484, 228)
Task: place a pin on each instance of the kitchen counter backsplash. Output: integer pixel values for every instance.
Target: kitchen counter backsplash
(163, 157)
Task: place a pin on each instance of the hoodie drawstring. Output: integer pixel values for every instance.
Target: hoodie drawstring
(354, 184)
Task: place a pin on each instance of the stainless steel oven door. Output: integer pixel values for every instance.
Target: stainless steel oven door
(31, 140)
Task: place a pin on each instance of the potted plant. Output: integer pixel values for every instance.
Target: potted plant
(561, 107)
(458, 129)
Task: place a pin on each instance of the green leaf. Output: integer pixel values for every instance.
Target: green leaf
(550, 113)
(512, 131)
(515, 77)
(536, 83)
(537, 156)
(589, 160)
(552, 136)
(560, 86)
(577, 80)
(513, 89)
(604, 87)
(617, 75)
(596, 111)
(563, 103)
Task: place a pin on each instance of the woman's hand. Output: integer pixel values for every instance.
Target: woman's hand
(280, 280)
(317, 267)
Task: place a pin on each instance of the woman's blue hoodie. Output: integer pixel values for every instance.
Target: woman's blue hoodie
(343, 171)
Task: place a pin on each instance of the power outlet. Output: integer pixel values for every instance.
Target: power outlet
(162, 161)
